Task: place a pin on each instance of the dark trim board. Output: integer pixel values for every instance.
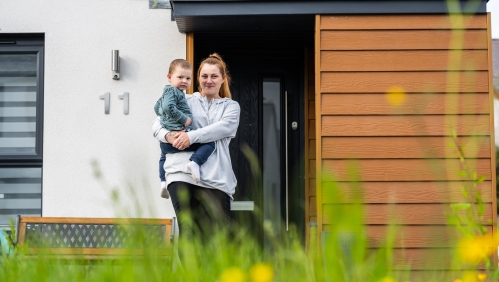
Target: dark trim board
(244, 15)
(22, 39)
(241, 8)
(247, 23)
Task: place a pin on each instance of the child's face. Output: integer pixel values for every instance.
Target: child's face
(180, 78)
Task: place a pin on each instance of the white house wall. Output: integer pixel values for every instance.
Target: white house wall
(79, 37)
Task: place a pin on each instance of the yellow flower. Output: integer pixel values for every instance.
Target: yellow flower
(387, 279)
(395, 95)
(233, 274)
(470, 276)
(261, 272)
(475, 249)
(481, 276)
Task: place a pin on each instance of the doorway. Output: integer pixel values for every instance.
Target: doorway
(267, 71)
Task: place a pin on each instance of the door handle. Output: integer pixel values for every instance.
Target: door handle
(125, 97)
(106, 96)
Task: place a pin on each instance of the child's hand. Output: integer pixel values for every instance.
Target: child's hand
(189, 120)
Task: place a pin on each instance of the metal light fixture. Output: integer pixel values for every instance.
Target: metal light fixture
(115, 64)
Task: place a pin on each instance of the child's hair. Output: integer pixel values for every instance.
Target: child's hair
(215, 59)
(179, 63)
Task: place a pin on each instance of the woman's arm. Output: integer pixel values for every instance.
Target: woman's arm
(162, 134)
(158, 131)
(225, 127)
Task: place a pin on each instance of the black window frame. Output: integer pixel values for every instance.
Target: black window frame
(28, 44)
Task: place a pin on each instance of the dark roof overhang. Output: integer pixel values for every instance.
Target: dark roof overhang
(282, 16)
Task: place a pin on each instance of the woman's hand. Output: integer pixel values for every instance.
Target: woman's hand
(182, 141)
(172, 136)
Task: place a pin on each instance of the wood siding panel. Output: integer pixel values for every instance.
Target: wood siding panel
(309, 99)
(309, 96)
(312, 173)
(427, 275)
(425, 125)
(367, 22)
(401, 192)
(311, 128)
(405, 169)
(409, 60)
(392, 156)
(312, 149)
(426, 259)
(413, 104)
(425, 82)
(403, 147)
(311, 111)
(402, 39)
(313, 206)
(407, 236)
(316, 165)
(405, 214)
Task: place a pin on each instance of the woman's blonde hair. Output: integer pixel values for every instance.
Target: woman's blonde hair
(215, 59)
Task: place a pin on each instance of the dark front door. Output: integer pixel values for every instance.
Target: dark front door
(267, 154)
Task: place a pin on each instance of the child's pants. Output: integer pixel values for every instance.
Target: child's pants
(201, 154)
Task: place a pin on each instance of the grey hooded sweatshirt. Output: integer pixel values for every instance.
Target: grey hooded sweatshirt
(215, 121)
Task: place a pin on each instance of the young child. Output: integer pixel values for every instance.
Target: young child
(175, 114)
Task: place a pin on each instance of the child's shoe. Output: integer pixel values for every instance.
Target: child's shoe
(193, 168)
(164, 191)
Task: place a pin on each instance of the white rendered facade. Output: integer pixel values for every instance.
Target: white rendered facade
(79, 37)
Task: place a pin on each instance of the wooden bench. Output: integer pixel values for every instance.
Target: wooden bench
(93, 238)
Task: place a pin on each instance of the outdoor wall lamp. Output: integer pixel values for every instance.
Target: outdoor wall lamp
(115, 64)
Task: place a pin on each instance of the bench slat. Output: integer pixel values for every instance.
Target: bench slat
(88, 220)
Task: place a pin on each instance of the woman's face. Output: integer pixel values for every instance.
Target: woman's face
(210, 79)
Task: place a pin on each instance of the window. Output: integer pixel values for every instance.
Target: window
(21, 125)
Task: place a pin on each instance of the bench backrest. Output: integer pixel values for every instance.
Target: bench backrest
(91, 236)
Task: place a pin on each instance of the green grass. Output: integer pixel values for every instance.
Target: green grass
(345, 256)
(341, 254)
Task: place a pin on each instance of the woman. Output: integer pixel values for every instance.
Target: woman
(215, 118)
